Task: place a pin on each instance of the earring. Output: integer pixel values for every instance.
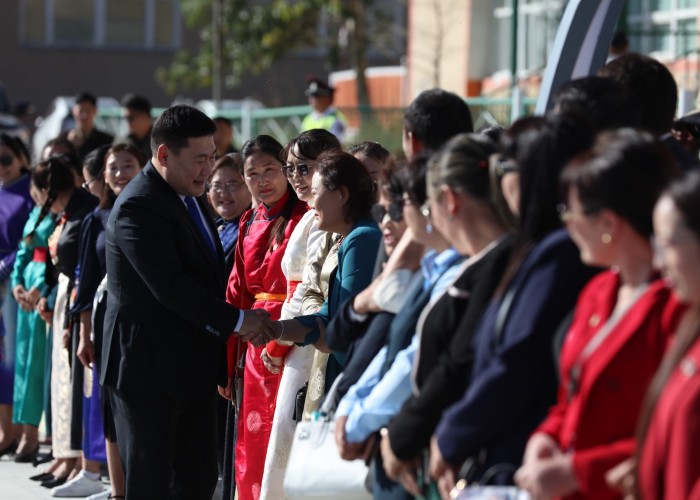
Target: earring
(606, 238)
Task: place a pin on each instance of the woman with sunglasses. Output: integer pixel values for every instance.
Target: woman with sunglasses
(257, 282)
(621, 326)
(294, 362)
(15, 206)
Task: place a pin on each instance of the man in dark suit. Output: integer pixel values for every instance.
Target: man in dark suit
(167, 322)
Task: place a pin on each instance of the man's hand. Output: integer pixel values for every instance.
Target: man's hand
(226, 392)
(257, 327)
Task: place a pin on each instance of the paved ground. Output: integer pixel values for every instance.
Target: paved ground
(15, 483)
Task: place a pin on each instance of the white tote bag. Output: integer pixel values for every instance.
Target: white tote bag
(315, 469)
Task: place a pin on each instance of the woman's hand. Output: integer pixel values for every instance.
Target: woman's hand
(65, 339)
(20, 295)
(548, 478)
(444, 473)
(623, 477)
(45, 313)
(540, 446)
(397, 469)
(273, 365)
(86, 352)
(350, 451)
(364, 302)
(32, 297)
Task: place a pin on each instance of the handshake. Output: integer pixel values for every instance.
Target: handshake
(258, 328)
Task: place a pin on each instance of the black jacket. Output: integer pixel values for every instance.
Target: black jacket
(445, 357)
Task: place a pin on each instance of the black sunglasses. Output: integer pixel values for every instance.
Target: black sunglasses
(6, 160)
(302, 168)
(395, 212)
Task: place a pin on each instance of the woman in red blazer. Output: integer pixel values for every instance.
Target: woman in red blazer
(669, 459)
(621, 324)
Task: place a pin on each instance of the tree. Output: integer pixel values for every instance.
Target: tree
(248, 36)
(252, 36)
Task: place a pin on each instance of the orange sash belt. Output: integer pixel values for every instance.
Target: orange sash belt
(271, 297)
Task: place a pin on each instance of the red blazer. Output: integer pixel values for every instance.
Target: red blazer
(597, 423)
(669, 465)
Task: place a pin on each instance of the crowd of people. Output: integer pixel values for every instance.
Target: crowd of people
(508, 306)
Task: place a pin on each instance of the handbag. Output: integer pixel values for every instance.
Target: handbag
(299, 401)
(315, 469)
(492, 493)
(467, 490)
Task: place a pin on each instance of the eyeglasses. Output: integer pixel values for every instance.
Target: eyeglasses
(6, 160)
(229, 187)
(86, 184)
(303, 169)
(395, 212)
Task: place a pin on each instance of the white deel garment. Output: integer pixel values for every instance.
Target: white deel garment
(305, 240)
(61, 387)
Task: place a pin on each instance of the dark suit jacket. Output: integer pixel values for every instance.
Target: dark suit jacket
(166, 322)
(513, 382)
(444, 362)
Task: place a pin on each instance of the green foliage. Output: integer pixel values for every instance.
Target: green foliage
(253, 35)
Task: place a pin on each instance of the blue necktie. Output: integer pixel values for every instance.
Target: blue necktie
(197, 219)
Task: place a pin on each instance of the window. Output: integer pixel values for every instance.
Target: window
(538, 21)
(666, 29)
(136, 24)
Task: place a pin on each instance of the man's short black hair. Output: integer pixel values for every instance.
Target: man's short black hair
(88, 97)
(653, 85)
(177, 125)
(136, 103)
(603, 102)
(435, 116)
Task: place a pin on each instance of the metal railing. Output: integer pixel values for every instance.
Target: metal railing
(383, 125)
